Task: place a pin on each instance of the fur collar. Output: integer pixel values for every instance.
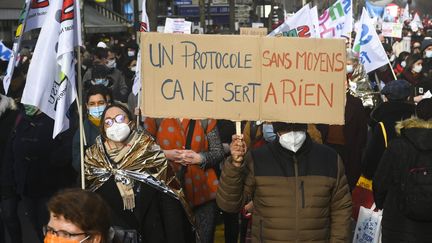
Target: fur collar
(6, 103)
(413, 122)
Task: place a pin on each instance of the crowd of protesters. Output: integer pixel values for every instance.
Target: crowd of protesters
(293, 180)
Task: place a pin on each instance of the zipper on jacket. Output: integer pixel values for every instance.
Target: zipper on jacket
(261, 231)
(302, 194)
(296, 195)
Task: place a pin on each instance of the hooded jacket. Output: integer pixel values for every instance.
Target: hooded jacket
(34, 162)
(298, 197)
(414, 135)
(389, 113)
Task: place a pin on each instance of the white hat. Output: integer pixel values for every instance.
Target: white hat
(101, 44)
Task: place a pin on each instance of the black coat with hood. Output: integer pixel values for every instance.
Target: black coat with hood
(389, 113)
(415, 136)
(34, 162)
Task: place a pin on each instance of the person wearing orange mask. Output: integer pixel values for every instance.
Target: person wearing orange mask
(78, 216)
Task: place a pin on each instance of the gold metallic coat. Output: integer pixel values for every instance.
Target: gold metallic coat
(144, 162)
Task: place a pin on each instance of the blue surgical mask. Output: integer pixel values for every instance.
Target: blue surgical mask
(96, 111)
(102, 81)
(268, 133)
(428, 54)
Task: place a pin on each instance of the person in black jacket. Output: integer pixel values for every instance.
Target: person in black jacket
(396, 108)
(415, 137)
(9, 200)
(36, 164)
(349, 139)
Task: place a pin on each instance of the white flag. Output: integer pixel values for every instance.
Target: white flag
(416, 23)
(368, 46)
(16, 45)
(406, 15)
(51, 77)
(144, 27)
(37, 14)
(337, 21)
(315, 21)
(299, 25)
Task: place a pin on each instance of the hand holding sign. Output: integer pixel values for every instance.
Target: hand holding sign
(238, 150)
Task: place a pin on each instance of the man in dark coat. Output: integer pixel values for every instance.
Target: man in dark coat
(349, 139)
(9, 200)
(415, 140)
(396, 108)
(36, 164)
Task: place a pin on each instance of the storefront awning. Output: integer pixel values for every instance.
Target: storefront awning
(94, 22)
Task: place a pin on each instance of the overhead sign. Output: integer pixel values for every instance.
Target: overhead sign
(179, 26)
(253, 31)
(392, 29)
(243, 78)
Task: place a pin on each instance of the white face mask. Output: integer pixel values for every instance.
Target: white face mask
(118, 132)
(403, 64)
(131, 53)
(417, 68)
(428, 54)
(292, 140)
(133, 69)
(268, 133)
(111, 64)
(349, 68)
(392, 58)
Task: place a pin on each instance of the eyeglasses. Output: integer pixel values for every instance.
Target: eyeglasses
(60, 233)
(120, 118)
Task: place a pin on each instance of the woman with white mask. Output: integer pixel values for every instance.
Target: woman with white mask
(413, 70)
(129, 170)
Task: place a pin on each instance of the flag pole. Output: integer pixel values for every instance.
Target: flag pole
(138, 39)
(391, 68)
(80, 114)
(16, 45)
(139, 109)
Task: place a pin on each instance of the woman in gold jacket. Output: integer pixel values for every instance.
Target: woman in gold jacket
(128, 169)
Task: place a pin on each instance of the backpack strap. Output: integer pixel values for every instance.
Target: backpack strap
(204, 125)
(188, 145)
(383, 129)
(191, 129)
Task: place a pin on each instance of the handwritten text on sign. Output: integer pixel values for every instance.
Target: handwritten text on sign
(243, 78)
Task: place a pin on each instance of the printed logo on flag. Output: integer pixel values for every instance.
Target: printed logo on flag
(336, 21)
(67, 10)
(39, 4)
(143, 27)
(365, 38)
(5, 53)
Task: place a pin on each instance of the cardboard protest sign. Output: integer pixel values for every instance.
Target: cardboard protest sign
(392, 29)
(253, 31)
(303, 80)
(243, 78)
(200, 76)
